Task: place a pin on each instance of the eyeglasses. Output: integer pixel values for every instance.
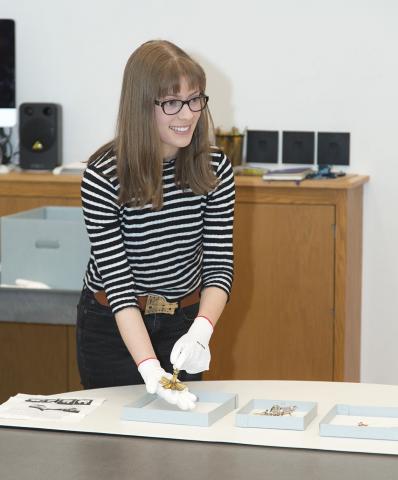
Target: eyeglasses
(195, 104)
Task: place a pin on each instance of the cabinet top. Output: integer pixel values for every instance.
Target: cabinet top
(340, 183)
(38, 177)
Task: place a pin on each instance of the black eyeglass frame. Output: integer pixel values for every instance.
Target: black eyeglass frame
(183, 102)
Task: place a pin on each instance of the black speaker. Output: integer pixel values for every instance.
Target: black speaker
(262, 146)
(333, 148)
(298, 147)
(40, 142)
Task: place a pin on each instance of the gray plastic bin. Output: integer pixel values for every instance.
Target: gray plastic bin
(48, 245)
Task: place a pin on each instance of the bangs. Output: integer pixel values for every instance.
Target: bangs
(170, 79)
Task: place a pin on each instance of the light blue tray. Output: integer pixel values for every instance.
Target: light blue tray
(244, 418)
(326, 429)
(137, 411)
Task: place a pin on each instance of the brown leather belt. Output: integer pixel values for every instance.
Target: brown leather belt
(156, 303)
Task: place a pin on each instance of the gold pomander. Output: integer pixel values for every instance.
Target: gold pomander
(173, 383)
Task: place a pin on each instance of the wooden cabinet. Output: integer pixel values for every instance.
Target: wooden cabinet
(294, 312)
(37, 359)
(23, 191)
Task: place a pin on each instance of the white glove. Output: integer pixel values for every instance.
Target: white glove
(152, 372)
(191, 352)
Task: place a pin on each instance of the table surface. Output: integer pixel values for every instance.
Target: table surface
(101, 446)
(34, 455)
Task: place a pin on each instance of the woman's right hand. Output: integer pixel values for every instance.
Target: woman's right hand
(152, 372)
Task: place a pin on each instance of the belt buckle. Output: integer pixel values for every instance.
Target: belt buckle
(158, 304)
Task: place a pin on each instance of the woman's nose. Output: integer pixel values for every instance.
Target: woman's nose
(185, 112)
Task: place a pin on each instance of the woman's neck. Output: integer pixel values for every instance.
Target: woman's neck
(168, 158)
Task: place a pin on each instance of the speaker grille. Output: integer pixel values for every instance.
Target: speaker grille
(37, 135)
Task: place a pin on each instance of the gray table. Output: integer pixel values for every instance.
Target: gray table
(35, 454)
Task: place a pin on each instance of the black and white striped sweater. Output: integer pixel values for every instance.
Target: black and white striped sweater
(170, 252)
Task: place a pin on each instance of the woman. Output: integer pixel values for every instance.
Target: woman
(158, 206)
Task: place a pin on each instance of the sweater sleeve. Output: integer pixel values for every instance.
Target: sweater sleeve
(217, 270)
(101, 215)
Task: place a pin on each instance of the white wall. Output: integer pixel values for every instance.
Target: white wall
(318, 65)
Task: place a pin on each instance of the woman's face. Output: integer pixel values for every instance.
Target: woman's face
(176, 130)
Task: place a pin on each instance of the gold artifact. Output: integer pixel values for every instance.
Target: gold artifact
(231, 143)
(173, 383)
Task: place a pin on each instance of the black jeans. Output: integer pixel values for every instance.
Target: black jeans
(102, 356)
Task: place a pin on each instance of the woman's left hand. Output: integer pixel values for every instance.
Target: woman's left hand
(191, 352)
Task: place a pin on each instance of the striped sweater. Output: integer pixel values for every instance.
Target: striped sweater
(170, 252)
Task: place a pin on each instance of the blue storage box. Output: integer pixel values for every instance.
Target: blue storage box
(249, 416)
(358, 421)
(211, 406)
(48, 245)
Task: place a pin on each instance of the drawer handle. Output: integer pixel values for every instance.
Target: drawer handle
(47, 244)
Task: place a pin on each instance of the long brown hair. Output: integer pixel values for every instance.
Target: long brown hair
(153, 71)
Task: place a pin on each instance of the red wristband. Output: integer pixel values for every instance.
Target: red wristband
(145, 359)
(208, 319)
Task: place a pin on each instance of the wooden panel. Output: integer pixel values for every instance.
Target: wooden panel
(352, 341)
(33, 359)
(279, 323)
(24, 184)
(73, 372)
(348, 285)
(10, 205)
(23, 191)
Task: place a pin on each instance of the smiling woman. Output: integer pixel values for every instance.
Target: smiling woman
(158, 203)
